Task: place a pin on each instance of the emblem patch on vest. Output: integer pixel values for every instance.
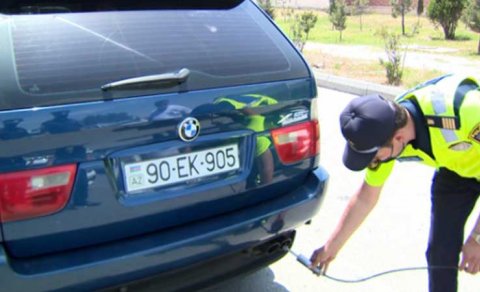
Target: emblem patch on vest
(460, 146)
(475, 134)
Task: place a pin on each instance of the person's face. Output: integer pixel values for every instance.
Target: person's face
(387, 153)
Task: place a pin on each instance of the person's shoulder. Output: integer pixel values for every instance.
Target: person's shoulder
(378, 176)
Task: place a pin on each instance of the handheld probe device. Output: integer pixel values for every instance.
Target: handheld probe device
(304, 261)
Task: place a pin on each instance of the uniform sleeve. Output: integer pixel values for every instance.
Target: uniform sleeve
(377, 177)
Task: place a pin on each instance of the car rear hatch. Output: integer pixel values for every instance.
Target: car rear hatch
(127, 122)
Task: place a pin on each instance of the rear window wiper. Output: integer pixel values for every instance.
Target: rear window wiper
(150, 81)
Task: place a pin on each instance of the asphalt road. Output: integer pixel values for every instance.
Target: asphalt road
(394, 235)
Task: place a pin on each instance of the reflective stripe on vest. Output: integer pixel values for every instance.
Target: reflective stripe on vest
(438, 104)
(440, 108)
(451, 86)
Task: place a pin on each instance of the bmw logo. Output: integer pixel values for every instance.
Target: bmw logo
(189, 129)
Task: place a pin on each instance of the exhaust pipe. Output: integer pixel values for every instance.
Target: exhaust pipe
(275, 245)
(286, 244)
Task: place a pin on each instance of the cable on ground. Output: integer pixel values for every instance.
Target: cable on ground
(306, 262)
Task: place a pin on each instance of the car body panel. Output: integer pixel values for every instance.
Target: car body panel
(244, 81)
(83, 134)
(122, 261)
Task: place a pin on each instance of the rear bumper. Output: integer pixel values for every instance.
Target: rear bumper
(179, 249)
(215, 271)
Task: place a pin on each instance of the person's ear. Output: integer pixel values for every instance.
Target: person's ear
(399, 136)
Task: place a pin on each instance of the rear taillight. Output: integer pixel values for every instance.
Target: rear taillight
(33, 193)
(297, 142)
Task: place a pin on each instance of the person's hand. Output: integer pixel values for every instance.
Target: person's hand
(470, 257)
(321, 258)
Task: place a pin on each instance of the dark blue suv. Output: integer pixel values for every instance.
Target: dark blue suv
(139, 139)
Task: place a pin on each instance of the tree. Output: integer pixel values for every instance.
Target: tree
(338, 17)
(301, 27)
(359, 7)
(287, 10)
(332, 7)
(471, 17)
(267, 6)
(307, 22)
(446, 13)
(401, 7)
(420, 7)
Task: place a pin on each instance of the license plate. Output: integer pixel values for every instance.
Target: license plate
(179, 168)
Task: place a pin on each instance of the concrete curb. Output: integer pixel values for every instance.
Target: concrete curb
(356, 87)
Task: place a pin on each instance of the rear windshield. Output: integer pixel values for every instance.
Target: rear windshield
(59, 6)
(59, 56)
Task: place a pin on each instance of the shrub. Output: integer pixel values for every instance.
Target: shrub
(395, 61)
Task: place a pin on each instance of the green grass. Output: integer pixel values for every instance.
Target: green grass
(366, 70)
(413, 77)
(465, 44)
(428, 38)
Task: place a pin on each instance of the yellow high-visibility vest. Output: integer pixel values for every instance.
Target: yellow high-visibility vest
(454, 136)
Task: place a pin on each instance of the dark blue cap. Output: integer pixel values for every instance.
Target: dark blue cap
(367, 123)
